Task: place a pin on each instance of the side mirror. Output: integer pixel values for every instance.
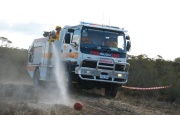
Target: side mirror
(127, 37)
(128, 46)
(67, 38)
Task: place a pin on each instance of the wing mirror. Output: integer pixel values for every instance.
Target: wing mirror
(127, 37)
(128, 46)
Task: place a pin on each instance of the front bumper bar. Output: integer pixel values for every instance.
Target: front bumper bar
(97, 74)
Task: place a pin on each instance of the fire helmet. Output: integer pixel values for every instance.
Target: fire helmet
(58, 27)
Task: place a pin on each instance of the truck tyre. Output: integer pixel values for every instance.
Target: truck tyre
(111, 90)
(36, 78)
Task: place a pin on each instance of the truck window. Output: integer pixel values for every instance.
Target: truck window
(76, 37)
(102, 39)
(121, 42)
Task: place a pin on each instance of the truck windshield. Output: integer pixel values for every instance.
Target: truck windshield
(102, 40)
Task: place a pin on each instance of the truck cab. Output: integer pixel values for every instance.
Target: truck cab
(99, 54)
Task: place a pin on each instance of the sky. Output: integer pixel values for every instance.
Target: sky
(153, 25)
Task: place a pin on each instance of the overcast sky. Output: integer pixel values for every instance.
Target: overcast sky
(153, 25)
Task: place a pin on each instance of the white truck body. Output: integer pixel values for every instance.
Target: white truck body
(85, 62)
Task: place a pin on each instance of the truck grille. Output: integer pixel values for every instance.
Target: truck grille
(93, 64)
(90, 64)
(119, 67)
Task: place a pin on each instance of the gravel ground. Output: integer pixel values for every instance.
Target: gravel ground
(23, 98)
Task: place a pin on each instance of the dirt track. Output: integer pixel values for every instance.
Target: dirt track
(23, 98)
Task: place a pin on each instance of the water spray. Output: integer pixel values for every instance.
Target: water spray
(59, 73)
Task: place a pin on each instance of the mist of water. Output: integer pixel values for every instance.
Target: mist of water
(59, 73)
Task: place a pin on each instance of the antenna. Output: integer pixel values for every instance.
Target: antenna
(102, 17)
(109, 21)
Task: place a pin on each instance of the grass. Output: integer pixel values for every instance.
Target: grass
(19, 108)
(150, 102)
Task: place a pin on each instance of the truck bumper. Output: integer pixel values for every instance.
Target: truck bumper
(102, 75)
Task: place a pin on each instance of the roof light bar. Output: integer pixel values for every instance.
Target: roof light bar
(88, 23)
(94, 24)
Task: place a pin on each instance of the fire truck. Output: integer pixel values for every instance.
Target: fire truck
(93, 55)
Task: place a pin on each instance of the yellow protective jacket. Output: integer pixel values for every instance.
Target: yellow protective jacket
(51, 39)
(57, 36)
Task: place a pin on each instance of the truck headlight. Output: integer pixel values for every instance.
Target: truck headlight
(88, 72)
(119, 75)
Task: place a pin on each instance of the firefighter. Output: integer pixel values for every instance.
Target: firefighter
(111, 42)
(58, 29)
(85, 37)
(55, 35)
(85, 40)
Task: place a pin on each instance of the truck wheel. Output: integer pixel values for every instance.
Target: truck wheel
(36, 77)
(111, 90)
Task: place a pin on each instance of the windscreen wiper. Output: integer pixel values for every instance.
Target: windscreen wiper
(103, 48)
(106, 48)
(114, 51)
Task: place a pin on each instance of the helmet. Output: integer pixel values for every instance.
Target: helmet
(58, 27)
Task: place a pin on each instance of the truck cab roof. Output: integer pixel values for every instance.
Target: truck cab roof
(101, 26)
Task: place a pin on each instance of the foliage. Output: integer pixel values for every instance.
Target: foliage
(13, 62)
(177, 60)
(6, 41)
(147, 72)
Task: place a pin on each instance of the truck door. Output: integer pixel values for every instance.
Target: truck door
(37, 54)
(71, 43)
